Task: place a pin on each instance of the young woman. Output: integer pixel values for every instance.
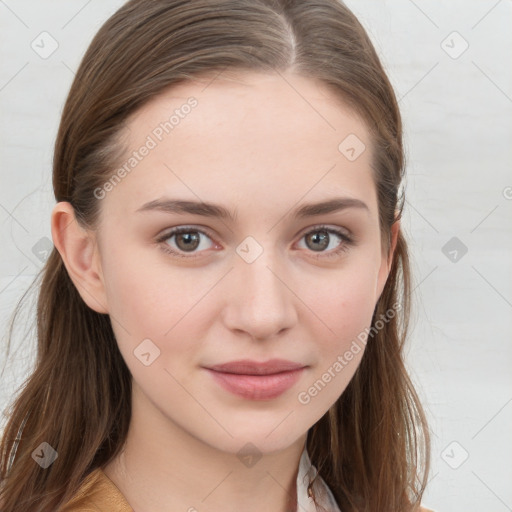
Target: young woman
(221, 322)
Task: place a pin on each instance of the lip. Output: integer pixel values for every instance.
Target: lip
(255, 380)
(250, 367)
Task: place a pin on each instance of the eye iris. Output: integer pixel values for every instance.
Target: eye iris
(190, 239)
(318, 236)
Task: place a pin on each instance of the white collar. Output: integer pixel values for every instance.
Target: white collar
(321, 491)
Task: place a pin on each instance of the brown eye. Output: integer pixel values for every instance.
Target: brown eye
(319, 240)
(187, 240)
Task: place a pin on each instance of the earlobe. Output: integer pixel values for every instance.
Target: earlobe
(79, 252)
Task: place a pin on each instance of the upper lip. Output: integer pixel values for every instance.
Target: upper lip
(249, 367)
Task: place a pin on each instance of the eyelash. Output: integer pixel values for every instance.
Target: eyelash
(348, 241)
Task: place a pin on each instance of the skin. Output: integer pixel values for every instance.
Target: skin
(260, 144)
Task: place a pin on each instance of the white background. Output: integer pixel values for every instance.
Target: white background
(457, 111)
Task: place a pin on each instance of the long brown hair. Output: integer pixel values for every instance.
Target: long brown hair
(373, 446)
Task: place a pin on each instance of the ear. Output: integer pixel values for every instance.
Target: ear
(387, 259)
(78, 249)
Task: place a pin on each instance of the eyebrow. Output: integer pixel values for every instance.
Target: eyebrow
(215, 210)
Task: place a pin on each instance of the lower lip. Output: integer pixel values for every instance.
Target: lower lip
(257, 387)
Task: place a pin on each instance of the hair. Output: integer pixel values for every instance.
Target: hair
(372, 447)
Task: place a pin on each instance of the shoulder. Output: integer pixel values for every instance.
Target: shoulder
(97, 492)
(425, 509)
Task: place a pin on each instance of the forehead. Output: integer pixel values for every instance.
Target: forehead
(249, 135)
(283, 103)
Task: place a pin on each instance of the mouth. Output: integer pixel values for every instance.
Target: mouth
(257, 381)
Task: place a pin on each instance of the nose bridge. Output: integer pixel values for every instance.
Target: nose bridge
(258, 265)
(262, 303)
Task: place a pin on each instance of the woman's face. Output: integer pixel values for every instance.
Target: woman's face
(248, 278)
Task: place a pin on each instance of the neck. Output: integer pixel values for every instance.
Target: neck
(171, 469)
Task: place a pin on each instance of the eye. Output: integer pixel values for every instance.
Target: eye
(187, 240)
(320, 238)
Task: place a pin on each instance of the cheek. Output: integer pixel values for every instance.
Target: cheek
(151, 310)
(148, 299)
(345, 307)
(345, 301)
(138, 289)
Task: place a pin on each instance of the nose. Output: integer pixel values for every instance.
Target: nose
(260, 300)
